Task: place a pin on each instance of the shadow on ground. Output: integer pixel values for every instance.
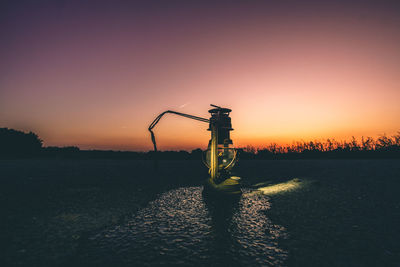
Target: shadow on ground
(348, 215)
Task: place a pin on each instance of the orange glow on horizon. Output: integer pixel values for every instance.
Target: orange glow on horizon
(97, 80)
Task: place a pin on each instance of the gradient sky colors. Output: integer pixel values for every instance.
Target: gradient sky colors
(95, 74)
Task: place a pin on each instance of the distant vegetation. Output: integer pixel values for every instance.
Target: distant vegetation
(17, 144)
(382, 147)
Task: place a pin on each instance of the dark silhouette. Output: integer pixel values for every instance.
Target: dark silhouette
(17, 144)
(382, 147)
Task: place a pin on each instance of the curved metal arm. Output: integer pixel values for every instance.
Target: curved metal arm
(157, 119)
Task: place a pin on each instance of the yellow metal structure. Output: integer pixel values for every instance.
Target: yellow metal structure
(214, 153)
(220, 156)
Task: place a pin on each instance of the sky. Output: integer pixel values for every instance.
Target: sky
(94, 74)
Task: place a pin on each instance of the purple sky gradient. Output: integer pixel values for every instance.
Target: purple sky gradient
(95, 74)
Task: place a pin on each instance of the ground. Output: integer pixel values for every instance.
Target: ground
(345, 213)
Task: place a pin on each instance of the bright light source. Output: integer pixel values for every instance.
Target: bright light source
(282, 187)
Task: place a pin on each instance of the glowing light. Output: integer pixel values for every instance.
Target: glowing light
(280, 188)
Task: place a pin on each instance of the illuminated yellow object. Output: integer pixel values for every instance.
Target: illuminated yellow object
(220, 157)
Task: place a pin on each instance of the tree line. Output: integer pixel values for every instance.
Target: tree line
(382, 147)
(18, 144)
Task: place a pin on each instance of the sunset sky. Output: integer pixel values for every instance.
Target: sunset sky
(95, 74)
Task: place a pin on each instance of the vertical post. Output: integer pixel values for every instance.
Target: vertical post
(153, 139)
(214, 152)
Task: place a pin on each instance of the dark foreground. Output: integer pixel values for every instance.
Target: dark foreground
(99, 212)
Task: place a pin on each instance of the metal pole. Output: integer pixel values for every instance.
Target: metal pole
(214, 152)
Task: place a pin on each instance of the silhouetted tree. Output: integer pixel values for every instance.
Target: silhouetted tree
(383, 147)
(15, 143)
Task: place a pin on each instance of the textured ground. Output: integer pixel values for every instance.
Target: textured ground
(346, 214)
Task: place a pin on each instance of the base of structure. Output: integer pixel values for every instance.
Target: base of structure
(230, 186)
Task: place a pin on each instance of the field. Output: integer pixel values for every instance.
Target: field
(344, 213)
